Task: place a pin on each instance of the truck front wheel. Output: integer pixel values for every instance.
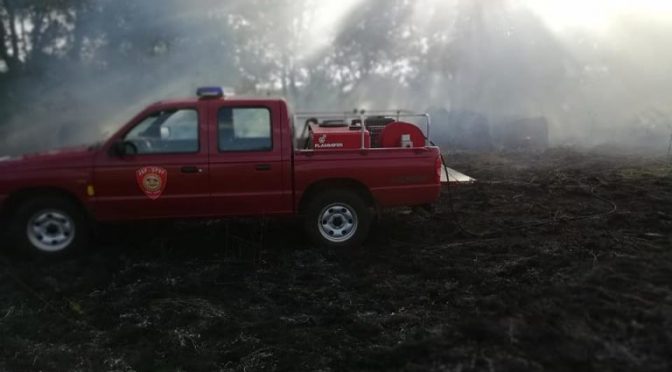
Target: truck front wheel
(338, 219)
(48, 227)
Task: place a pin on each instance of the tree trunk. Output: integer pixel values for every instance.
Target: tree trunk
(4, 53)
(75, 52)
(293, 89)
(11, 59)
(36, 35)
(13, 35)
(284, 81)
(284, 76)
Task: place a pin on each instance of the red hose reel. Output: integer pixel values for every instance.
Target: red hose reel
(393, 135)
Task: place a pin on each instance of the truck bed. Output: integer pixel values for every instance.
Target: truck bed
(394, 176)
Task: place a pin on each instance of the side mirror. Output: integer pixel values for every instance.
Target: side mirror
(123, 149)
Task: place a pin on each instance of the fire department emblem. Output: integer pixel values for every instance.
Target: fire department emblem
(322, 139)
(152, 181)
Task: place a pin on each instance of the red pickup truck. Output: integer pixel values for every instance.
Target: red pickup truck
(214, 156)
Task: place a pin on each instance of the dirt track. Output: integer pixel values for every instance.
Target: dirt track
(560, 261)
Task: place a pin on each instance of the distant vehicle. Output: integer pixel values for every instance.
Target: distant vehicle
(214, 156)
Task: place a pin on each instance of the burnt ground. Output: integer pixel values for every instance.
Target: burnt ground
(559, 261)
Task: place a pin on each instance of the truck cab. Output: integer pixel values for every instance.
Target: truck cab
(213, 156)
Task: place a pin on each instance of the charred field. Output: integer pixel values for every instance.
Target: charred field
(560, 260)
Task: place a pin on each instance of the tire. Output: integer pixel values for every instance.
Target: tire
(49, 227)
(338, 219)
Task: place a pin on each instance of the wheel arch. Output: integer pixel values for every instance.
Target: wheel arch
(336, 184)
(17, 198)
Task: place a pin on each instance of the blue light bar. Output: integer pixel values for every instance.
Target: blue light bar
(210, 92)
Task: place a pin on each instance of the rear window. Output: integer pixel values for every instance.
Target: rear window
(244, 129)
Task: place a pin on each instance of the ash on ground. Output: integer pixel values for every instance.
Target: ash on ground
(560, 260)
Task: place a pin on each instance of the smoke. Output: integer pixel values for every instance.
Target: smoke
(605, 78)
(619, 80)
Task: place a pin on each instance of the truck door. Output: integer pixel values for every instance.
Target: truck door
(247, 172)
(168, 177)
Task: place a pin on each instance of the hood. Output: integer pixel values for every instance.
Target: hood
(73, 157)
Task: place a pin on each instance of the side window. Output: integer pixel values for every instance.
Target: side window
(166, 132)
(244, 129)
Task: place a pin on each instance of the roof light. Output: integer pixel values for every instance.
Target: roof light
(210, 92)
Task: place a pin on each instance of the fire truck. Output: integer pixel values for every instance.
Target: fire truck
(216, 156)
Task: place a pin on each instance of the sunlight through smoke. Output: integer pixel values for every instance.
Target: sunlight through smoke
(594, 15)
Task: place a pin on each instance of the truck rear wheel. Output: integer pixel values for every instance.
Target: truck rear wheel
(48, 227)
(338, 219)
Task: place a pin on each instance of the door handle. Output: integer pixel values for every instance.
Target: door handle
(263, 167)
(191, 170)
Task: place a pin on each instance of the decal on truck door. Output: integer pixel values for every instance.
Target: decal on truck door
(152, 181)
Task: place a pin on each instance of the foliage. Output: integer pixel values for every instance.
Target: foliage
(493, 58)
